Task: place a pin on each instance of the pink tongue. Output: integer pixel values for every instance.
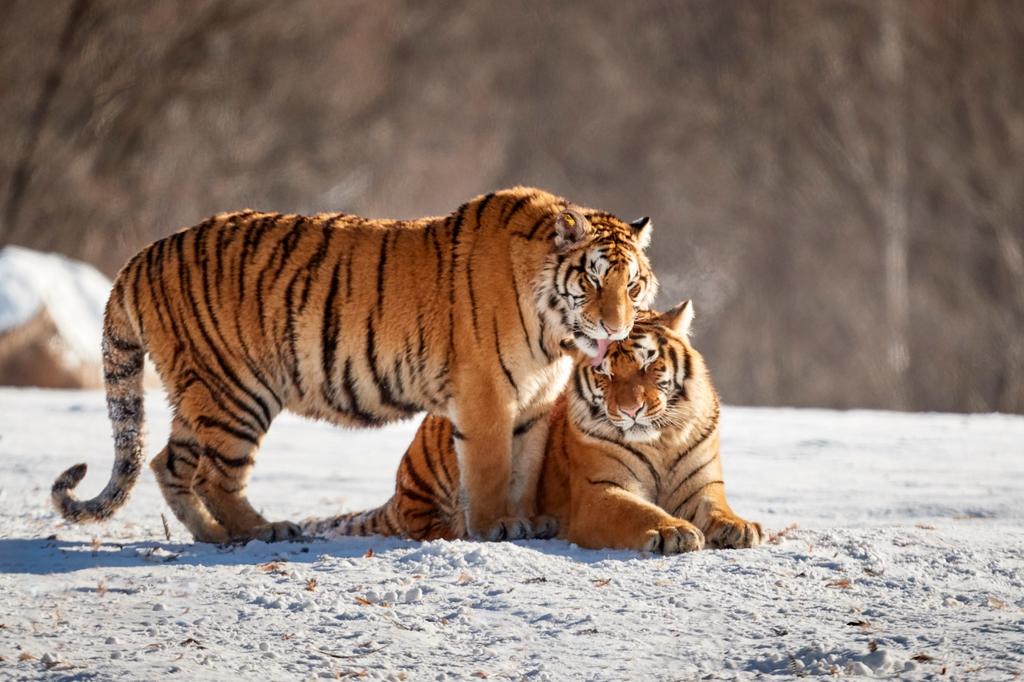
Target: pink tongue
(602, 348)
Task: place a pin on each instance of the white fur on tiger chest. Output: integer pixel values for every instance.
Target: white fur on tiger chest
(544, 385)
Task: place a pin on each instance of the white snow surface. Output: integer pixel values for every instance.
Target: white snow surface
(907, 560)
(73, 292)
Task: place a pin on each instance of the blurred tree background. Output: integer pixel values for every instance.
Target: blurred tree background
(839, 184)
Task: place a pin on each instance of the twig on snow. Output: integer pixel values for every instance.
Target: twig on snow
(776, 537)
(349, 656)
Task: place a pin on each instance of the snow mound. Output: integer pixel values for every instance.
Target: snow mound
(73, 293)
(819, 660)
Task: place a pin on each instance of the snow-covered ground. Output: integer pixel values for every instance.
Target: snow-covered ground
(907, 558)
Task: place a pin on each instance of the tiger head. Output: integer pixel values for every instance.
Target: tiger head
(639, 389)
(598, 277)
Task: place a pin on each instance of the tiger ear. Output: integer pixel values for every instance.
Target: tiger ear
(679, 318)
(642, 229)
(570, 228)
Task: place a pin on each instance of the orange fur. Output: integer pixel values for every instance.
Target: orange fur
(653, 483)
(359, 322)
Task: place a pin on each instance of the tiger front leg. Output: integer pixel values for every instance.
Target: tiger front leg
(723, 528)
(607, 516)
(529, 442)
(483, 443)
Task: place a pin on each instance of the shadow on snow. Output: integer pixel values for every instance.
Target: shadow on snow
(41, 556)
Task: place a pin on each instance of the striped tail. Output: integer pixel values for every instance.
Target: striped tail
(384, 520)
(123, 357)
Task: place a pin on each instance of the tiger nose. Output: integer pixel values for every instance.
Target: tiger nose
(611, 331)
(632, 411)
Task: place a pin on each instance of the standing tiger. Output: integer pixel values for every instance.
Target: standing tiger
(632, 458)
(360, 322)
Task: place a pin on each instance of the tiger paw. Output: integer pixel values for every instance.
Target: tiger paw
(674, 537)
(727, 531)
(545, 527)
(508, 528)
(278, 531)
(212, 532)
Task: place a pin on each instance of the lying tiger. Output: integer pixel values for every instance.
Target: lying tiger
(632, 459)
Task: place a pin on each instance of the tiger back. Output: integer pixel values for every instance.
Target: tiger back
(632, 457)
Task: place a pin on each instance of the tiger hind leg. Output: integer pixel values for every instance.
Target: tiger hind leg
(175, 469)
(221, 481)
